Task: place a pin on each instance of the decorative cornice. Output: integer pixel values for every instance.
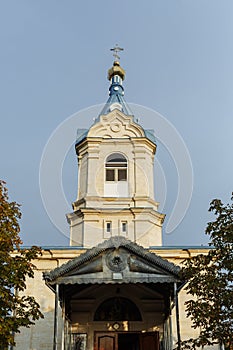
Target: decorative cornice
(114, 242)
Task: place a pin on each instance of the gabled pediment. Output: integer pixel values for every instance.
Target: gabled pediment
(116, 260)
(116, 124)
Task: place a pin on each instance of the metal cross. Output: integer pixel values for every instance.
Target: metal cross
(116, 49)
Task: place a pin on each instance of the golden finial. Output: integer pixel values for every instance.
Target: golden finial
(116, 68)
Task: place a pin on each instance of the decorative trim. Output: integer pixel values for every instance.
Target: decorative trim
(113, 242)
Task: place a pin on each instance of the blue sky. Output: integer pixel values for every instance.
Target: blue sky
(178, 60)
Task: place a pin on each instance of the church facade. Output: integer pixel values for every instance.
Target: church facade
(116, 287)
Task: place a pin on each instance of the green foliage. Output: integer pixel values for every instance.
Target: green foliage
(16, 309)
(211, 283)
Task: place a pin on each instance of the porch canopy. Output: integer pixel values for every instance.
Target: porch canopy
(115, 261)
(104, 271)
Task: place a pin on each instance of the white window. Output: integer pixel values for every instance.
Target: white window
(116, 168)
(108, 226)
(116, 176)
(124, 227)
(107, 229)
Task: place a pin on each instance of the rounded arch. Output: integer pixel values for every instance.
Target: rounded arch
(116, 165)
(117, 309)
(116, 157)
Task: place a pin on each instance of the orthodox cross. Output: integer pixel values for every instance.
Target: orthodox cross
(116, 49)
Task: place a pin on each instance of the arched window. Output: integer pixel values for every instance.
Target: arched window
(117, 309)
(116, 168)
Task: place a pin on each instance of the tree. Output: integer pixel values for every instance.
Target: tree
(16, 309)
(210, 283)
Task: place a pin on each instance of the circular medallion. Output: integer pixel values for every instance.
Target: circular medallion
(115, 261)
(115, 127)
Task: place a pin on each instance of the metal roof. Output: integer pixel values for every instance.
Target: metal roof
(151, 261)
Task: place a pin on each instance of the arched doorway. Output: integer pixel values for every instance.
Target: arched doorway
(119, 311)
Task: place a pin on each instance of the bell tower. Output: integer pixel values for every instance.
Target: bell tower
(115, 176)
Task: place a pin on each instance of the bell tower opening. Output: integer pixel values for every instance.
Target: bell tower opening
(116, 177)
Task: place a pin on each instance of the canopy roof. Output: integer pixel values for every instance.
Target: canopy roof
(116, 260)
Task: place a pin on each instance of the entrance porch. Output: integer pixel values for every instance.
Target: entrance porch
(116, 296)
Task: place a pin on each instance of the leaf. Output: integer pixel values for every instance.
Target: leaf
(211, 283)
(16, 309)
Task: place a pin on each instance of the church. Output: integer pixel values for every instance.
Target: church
(115, 287)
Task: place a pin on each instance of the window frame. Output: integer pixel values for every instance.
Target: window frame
(108, 226)
(118, 165)
(124, 227)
